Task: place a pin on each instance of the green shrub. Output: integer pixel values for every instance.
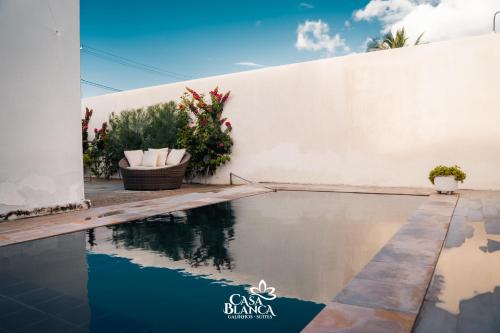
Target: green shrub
(442, 170)
(97, 153)
(87, 156)
(153, 127)
(87, 160)
(85, 130)
(206, 134)
(195, 125)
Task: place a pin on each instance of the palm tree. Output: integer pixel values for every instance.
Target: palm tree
(390, 41)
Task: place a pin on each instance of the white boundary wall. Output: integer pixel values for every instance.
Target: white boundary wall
(383, 118)
(40, 140)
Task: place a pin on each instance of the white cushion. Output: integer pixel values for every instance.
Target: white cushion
(162, 156)
(149, 159)
(175, 156)
(134, 157)
(142, 167)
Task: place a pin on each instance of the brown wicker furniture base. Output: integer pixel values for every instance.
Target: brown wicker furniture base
(167, 178)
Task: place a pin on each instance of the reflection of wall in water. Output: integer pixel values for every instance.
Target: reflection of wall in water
(319, 240)
(306, 244)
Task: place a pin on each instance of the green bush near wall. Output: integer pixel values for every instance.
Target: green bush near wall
(195, 124)
(153, 127)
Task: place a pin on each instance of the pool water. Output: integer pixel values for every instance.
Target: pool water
(192, 271)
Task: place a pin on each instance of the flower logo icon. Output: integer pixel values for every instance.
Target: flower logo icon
(263, 291)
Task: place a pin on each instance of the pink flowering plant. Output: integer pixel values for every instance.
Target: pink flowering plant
(101, 164)
(94, 151)
(206, 133)
(87, 159)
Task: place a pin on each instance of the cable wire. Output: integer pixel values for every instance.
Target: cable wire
(131, 63)
(98, 85)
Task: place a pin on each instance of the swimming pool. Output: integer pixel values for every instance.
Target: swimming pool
(200, 269)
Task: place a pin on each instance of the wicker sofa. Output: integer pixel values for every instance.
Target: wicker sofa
(165, 178)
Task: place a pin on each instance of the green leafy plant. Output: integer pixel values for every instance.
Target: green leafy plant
(391, 41)
(85, 129)
(443, 171)
(87, 160)
(196, 125)
(205, 134)
(156, 126)
(87, 156)
(97, 153)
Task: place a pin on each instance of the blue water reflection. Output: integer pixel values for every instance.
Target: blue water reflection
(174, 273)
(165, 300)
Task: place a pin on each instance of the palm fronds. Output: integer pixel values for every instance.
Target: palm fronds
(391, 41)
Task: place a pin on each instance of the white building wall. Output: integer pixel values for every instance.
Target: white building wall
(40, 140)
(383, 118)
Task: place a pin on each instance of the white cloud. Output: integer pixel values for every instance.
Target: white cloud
(386, 11)
(315, 36)
(437, 19)
(347, 23)
(306, 5)
(249, 64)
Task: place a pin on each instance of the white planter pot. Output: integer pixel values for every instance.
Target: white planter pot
(445, 184)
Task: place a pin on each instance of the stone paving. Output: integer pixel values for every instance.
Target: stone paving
(391, 291)
(111, 192)
(350, 189)
(387, 294)
(23, 230)
(112, 204)
(464, 295)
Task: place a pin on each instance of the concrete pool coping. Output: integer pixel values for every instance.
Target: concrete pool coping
(386, 294)
(421, 191)
(23, 230)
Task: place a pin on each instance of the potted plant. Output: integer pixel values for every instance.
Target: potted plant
(445, 179)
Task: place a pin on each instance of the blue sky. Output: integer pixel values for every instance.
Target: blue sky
(205, 38)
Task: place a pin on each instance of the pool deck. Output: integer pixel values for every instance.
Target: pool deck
(111, 192)
(387, 294)
(111, 204)
(453, 239)
(350, 189)
(464, 295)
(128, 209)
(451, 243)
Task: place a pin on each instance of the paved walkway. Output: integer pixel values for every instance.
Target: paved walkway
(111, 204)
(111, 192)
(464, 295)
(350, 189)
(391, 293)
(23, 230)
(385, 297)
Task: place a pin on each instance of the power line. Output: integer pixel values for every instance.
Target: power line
(125, 63)
(131, 63)
(98, 85)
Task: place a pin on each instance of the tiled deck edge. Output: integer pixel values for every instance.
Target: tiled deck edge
(387, 294)
(47, 226)
(349, 189)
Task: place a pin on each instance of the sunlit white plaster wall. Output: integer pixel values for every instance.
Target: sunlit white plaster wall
(382, 118)
(40, 140)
